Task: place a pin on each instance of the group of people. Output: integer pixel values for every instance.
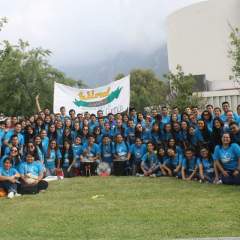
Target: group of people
(191, 145)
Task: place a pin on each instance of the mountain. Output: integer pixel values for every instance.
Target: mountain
(104, 72)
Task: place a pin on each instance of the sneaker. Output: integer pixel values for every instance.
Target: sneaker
(219, 182)
(10, 195)
(18, 195)
(153, 175)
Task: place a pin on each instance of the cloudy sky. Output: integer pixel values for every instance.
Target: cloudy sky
(88, 31)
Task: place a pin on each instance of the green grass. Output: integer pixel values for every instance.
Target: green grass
(132, 208)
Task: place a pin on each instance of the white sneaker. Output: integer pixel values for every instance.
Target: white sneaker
(219, 182)
(153, 175)
(18, 195)
(10, 195)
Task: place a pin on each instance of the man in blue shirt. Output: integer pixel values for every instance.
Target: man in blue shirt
(16, 131)
(226, 108)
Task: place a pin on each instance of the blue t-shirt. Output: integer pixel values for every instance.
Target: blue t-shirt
(50, 161)
(77, 152)
(121, 149)
(150, 160)
(176, 161)
(35, 168)
(92, 150)
(130, 135)
(207, 165)
(106, 152)
(189, 164)
(10, 133)
(8, 173)
(137, 152)
(227, 156)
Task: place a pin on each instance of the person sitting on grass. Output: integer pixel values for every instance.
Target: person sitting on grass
(150, 164)
(189, 165)
(205, 166)
(173, 163)
(227, 161)
(31, 176)
(137, 151)
(8, 178)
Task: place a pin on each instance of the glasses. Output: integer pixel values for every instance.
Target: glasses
(14, 150)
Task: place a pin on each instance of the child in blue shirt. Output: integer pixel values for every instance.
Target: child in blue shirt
(205, 166)
(106, 149)
(150, 164)
(8, 178)
(173, 163)
(137, 151)
(189, 165)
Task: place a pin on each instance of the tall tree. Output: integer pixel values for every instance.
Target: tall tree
(146, 89)
(181, 90)
(234, 53)
(24, 73)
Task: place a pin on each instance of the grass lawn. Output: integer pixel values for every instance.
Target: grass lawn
(131, 208)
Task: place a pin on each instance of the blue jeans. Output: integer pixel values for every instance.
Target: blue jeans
(8, 186)
(231, 179)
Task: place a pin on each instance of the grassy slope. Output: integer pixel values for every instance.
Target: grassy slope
(132, 208)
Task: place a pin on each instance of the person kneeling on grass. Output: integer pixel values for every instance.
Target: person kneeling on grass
(31, 176)
(173, 163)
(227, 161)
(205, 166)
(150, 164)
(189, 165)
(8, 178)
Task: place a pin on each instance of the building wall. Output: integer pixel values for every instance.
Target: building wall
(198, 38)
(216, 98)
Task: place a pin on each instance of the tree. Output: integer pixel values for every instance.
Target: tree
(119, 76)
(181, 93)
(24, 73)
(3, 20)
(146, 89)
(234, 53)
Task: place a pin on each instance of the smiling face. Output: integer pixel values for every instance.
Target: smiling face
(7, 164)
(14, 152)
(204, 153)
(226, 139)
(29, 158)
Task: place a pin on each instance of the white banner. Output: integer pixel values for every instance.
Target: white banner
(112, 98)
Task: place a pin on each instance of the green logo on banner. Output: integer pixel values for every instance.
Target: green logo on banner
(113, 95)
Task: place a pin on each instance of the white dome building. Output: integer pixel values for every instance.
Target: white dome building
(198, 40)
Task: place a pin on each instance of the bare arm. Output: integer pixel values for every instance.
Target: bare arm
(183, 173)
(37, 103)
(201, 171)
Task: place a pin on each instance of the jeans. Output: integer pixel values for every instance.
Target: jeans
(231, 179)
(8, 186)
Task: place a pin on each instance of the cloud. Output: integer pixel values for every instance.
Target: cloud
(88, 31)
